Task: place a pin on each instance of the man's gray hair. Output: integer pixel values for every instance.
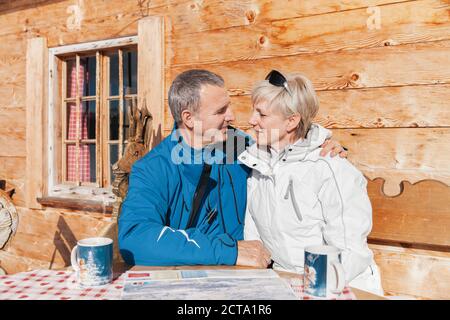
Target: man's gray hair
(184, 93)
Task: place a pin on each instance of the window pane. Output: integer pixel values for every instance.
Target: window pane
(87, 120)
(87, 72)
(126, 121)
(114, 74)
(113, 158)
(86, 162)
(114, 120)
(130, 72)
(71, 121)
(71, 90)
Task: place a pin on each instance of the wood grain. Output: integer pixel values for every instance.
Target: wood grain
(50, 235)
(186, 16)
(75, 204)
(151, 72)
(12, 123)
(37, 69)
(398, 154)
(420, 215)
(12, 168)
(410, 64)
(12, 263)
(412, 272)
(400, 23)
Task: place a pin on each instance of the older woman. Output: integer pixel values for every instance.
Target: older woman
(297, 198)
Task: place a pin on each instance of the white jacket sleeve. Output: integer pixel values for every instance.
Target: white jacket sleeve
(250, 229)
(348, 215)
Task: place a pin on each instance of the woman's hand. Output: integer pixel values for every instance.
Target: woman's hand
(333, 148)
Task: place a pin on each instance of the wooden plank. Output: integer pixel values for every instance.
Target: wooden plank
(420, 215)
(401, 23)
(13, 45)
(185, 16)
(409, 106)
(93, 46)
(78, 120)
(12, 263)
(151, 72)
(121, 109)
(36, 90)
(12, 168)
(75, 204)
(98, 122)
(77, 17)
(197, 16)
(409, 154)
(19, 190)
(14, 95)
(366, 68)
(413, 272)
(12, 122)
(50, 235)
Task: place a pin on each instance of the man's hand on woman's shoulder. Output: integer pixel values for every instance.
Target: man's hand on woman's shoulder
(333, 148)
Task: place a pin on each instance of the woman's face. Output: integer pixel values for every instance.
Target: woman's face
(270, 125)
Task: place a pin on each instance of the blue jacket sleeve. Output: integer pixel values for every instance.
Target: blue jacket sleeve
(144, 238)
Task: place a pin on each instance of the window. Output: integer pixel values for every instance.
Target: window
(76, 120)
(96, 90)
(91, 86)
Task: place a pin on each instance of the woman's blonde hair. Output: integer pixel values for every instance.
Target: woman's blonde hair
(301, 98)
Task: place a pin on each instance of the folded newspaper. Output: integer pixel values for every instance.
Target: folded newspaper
(264, 284)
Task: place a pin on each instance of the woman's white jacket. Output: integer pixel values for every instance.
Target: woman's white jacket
(297, 198)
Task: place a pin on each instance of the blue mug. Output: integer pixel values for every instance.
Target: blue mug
(324, 275)
(92, 259)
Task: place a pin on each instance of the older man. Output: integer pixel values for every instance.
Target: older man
(187, 197)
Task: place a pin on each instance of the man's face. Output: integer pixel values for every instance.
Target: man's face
(214, 115)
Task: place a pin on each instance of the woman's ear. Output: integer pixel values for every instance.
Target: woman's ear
(187, 119)
(293, 122)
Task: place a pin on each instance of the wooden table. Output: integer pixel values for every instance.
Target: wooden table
(360, 294)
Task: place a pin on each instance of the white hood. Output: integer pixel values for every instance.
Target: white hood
(259, 158)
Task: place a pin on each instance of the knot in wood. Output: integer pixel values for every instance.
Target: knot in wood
(354, 77)
(262, 40)
(250, 15)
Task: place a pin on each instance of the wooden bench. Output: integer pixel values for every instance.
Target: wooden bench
(410, 238)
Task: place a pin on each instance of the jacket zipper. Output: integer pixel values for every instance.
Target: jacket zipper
(290, 191)
(234, 196)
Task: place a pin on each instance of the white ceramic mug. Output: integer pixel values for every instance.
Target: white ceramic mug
(324, 275)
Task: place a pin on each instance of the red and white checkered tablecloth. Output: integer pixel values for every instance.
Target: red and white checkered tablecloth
(62, 285)
(54, 285)
(297, 285)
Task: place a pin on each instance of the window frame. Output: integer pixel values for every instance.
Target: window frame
(56, 178)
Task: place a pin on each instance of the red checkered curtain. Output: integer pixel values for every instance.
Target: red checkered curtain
(83, 157)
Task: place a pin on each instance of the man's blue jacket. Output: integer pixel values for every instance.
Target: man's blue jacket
(156, 210)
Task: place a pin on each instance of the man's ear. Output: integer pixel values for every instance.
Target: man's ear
(187, 119)
(293, 122)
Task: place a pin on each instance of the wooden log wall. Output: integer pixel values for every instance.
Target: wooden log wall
(381, 69)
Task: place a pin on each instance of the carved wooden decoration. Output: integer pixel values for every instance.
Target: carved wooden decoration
(139, 133)
(420, 214)
(410, 238)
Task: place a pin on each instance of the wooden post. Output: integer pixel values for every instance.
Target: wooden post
(151, 72)
(36, 68)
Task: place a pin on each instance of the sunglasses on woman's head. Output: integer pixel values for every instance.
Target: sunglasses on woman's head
(277, 79)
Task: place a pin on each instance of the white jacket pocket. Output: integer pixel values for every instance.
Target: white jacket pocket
(300, 200)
